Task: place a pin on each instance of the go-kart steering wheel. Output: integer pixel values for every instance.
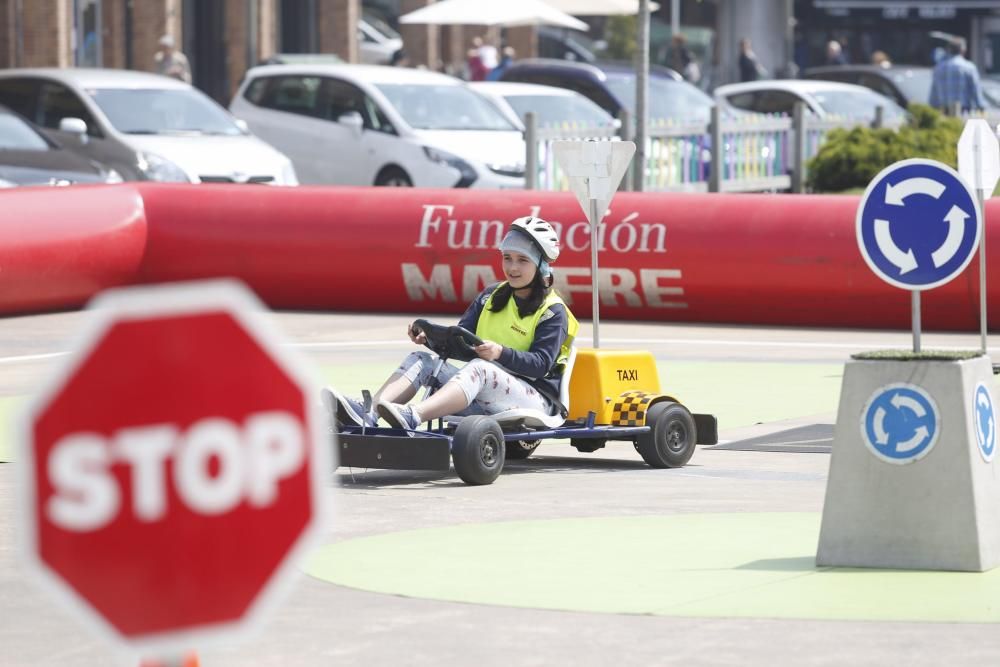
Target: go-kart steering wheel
(451, 342)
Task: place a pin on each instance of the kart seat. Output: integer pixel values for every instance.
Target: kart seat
(535, 418)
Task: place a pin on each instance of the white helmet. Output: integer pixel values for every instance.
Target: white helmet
(541, 233)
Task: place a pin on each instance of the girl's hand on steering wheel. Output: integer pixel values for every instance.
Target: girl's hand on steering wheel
(419, 339)
(489, 350)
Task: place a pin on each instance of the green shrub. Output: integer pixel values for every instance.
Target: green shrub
(852, 158)
(621, 35)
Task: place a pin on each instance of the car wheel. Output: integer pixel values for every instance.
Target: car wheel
(477, 450)
(672, 436)
(393, 177)
(521, 449)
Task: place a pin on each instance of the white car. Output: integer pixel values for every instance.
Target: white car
(144, 126)
(372, 125)
(822, 98)
(377, 41)
(552, 106)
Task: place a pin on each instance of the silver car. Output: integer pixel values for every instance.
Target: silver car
(144, 126)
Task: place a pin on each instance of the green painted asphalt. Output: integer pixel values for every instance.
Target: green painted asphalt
(738, 393)
(751, 565)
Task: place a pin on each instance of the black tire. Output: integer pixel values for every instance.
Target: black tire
(672, 436)
(587, 445)
(393, 177)
(521, 449)
(477, 450)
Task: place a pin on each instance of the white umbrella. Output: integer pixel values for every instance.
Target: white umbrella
(599, 7)
(506, 13)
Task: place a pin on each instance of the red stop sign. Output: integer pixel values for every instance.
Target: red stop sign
(173, 469)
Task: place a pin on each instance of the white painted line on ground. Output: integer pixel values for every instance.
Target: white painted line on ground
(631, 341)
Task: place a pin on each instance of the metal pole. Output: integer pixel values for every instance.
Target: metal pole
(595, 221)
(915, 304)
(982, 271)
(675, 17)
(799, 147)
(641, 96)
(531, 146)
(718, 154)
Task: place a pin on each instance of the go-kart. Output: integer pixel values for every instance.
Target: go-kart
(609, 395)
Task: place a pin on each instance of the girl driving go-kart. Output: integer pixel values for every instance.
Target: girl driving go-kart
(524, 335)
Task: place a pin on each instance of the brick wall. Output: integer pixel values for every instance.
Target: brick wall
(338, 27)
(113, 34)
(421, 42)
(8, 34)
(46, 26)
(151, 19)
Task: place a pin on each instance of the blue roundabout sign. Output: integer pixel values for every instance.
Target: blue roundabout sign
(900, 423)
(985, 422)
(918, 224)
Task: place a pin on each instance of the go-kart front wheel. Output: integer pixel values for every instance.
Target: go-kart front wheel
(477, 450)
(672, 436)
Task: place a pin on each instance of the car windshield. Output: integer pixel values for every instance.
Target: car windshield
(676, 100)
(857, 104)
(16, 135)
(556, 109)
(163, 111)
(991, 89)
(443, 107)
(915, 84)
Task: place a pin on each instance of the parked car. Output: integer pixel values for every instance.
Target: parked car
(144, 126)
(903, 83)
(822, 98)
(612, 87)
(991, 89)
(563, 44)
(552, 106)
(377, 41)
(371, 125)
(28, 157)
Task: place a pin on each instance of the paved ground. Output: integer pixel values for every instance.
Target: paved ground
(756, 375)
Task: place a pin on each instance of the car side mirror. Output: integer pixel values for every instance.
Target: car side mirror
(353, 121)
(242, 124)
(74, 126)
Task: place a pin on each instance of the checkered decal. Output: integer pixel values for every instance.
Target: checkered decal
(630, 408)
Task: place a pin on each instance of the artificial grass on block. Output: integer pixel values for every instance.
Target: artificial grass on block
(923, 355)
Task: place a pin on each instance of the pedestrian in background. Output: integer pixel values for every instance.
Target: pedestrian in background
(881, 58)
(835, 53)
(682, 61)
(474, 61)
(171, 62)
(505, 61)
(750, 67)
(399, 58)
(955, 83)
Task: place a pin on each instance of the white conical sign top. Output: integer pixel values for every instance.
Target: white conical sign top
(594, 170)
(979, 156)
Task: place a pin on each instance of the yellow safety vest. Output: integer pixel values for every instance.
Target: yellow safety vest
(508, 328)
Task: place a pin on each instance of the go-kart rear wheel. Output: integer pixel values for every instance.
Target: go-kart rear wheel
(522, 449)
(477, 449)
(672, 436)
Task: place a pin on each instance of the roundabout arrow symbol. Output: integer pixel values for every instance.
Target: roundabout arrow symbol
(919, 436)
(895, 194)
(984, 403)
(878, 423)
(899, 401)
(904, 261)
(956, 230)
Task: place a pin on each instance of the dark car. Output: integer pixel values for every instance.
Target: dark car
(28, 157)
(612, 87)
(903, 83)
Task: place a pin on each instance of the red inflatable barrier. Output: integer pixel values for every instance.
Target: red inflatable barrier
(60, 246)
(754, 259)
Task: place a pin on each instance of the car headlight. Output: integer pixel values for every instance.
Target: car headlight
(468, 174)
(514, 170)
(157, 168)
(288, 176)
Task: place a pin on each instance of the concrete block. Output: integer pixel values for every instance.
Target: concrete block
(913, 481)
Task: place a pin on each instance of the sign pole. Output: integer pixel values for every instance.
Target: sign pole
(595, 219)
(979, 165)
(915, 306)
(982, 272)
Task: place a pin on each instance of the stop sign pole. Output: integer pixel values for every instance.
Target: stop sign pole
(172, 469)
